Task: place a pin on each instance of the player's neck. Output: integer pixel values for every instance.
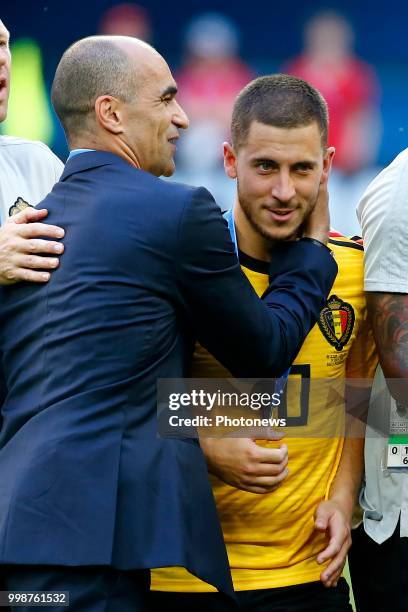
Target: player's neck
(249, 240)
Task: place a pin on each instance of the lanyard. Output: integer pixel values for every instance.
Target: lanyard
(229, 217)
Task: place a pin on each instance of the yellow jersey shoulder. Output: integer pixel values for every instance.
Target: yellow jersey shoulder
(346, 248)
(349, 255)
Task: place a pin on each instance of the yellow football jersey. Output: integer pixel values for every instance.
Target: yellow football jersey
(270, 538)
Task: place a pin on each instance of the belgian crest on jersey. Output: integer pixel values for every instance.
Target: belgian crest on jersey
(18, 206)
(336, 322)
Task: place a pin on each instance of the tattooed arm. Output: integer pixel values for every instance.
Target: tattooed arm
(389, 318)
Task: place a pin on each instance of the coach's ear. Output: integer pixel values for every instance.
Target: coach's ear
(230, 161)
(108, 113)
(327, 162)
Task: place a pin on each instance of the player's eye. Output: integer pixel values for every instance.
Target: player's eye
(265, 166)
(304, 168)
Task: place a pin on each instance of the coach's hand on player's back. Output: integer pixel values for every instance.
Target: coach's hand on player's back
(244, 464)
(318, 222)
(28, 250)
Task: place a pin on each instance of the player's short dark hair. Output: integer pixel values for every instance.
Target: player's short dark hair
(90, 68)
(279, 100)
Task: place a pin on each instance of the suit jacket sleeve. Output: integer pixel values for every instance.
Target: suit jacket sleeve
(250, 337)
(3, 388)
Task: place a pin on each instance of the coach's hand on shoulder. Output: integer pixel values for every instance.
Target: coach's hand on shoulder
(244, 464)
(23, 246)
(331, 519)
(318, 222)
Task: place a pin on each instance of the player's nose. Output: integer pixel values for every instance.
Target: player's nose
(283, 188)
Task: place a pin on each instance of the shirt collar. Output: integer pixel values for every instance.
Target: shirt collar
(78, 151)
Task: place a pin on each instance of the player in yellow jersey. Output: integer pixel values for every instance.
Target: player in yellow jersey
(287, 529)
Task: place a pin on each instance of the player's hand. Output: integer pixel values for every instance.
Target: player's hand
(318, 222)
(330, 518)
(242, 463)
(22, 245)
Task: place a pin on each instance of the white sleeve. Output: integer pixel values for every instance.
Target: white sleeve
(45, 170)
(383, 215)
(58, 167)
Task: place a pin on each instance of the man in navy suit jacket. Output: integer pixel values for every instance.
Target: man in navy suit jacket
(90, 497)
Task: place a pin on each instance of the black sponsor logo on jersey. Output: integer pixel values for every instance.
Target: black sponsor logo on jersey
(336, 322)
(19, 205)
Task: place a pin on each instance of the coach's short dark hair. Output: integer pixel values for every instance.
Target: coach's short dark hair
(279, 100)
(90, 68)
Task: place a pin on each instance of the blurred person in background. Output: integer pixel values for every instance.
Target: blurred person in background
(379, 555)
(210, 78)
(127, 19)
(351, 89)
(28, 171)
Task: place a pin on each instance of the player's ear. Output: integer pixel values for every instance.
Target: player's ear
(108, 114)
(230, 161)
(327, 162)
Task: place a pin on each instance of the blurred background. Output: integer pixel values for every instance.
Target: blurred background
(355, 53)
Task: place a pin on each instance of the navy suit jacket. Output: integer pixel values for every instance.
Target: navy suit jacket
(148, 267)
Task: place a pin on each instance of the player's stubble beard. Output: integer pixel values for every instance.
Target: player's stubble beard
(268, 241)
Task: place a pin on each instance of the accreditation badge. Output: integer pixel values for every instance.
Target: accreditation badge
(397, 447)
